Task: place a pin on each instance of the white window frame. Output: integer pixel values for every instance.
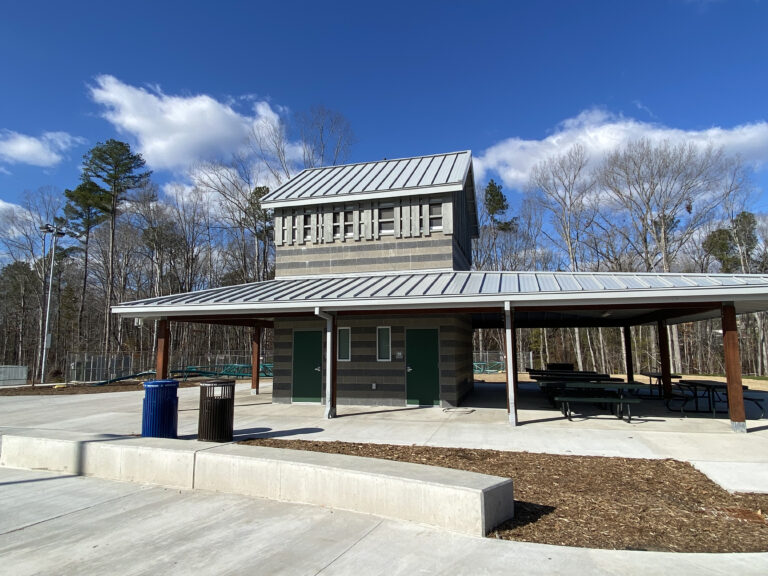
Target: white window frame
(338, 344)
(337, 224)
(430, 217)
(389, 343)
(348, 219)
(391, 220)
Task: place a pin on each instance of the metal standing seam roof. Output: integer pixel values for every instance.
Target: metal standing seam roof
(456, 289)
(384, 178)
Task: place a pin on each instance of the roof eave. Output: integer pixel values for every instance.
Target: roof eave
(362, 196)
(556, 300)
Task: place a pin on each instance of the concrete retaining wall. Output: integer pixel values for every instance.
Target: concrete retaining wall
(450, 499)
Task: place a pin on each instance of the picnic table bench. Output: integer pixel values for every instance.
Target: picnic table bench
(711, 391)
(609, 393)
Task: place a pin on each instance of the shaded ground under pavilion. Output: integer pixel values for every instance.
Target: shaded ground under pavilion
(512, 318)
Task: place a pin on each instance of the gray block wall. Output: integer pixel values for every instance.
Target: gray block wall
(355, 378)
(385, 254)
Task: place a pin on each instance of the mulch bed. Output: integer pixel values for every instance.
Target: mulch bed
(596, 502)
(125, 386)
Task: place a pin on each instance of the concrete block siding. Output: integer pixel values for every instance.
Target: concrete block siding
(356, 377)
(385, 254)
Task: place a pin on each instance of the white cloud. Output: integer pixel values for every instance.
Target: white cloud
(45, 151)
(174, 132)
(600, 132)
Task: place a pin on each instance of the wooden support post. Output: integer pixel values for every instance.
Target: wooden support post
(666, 372)
(255, 358)
(509, 329)
(163, 342)
(628, 353)
(733, 369)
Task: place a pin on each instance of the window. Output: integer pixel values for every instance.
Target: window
(294, 225)
(435, 216)
(349, 223)
(383, 344)
(343, 345)
(337, 224)
(307, 227)
(386, 220)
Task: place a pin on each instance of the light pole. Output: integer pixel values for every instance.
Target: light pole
(57, 233)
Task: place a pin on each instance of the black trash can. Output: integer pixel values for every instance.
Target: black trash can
(160, 416)
(217, 411)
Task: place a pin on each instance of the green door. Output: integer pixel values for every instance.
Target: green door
(307, 366)
(422, 356)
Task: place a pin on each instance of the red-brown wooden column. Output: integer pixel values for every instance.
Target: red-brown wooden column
(733, 369)
(666, 372)
(628, 353)
(163, 342)
(255, 358)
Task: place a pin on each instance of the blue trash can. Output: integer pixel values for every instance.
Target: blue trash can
(160, 417)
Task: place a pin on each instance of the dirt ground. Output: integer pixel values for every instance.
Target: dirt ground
(595, 502)
(128, 385)
(125, 386)
(751, 383)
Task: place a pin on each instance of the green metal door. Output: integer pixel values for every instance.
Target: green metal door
(307, 366)
(422, 357)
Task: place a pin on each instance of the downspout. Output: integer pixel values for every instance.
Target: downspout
(330, 406)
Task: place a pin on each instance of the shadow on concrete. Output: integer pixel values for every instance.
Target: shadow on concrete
(35, 480)
(758, 429)
(278, 433)
(385, 411)
(246, 433)
(253, 404)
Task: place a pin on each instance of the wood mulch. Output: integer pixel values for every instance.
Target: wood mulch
(596, 502)
(125, 386)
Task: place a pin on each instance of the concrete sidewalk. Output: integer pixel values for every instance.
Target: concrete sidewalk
(51, 524)
(738, 462)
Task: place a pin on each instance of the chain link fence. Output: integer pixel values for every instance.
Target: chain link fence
(86, 367)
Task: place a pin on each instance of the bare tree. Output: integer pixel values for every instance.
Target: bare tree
(662, 194)
(562, 185)
(326, 137)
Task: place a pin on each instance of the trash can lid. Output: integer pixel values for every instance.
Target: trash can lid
(218, 383)
(161, 383)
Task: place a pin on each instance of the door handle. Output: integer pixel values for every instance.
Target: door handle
(409, 369)
(317, 369)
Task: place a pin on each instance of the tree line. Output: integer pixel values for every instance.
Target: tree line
(646, 206)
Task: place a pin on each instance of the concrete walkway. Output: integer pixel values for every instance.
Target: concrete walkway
(51, 524)
(738, 462)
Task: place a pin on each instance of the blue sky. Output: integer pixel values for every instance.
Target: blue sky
(513, 81)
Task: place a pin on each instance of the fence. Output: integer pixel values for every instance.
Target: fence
(85, 367)
(13, 375)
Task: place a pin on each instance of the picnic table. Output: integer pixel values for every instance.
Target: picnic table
(658, 383)
(711, 391)
(607, 391)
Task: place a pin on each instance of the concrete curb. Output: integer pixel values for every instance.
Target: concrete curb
(454, 500)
